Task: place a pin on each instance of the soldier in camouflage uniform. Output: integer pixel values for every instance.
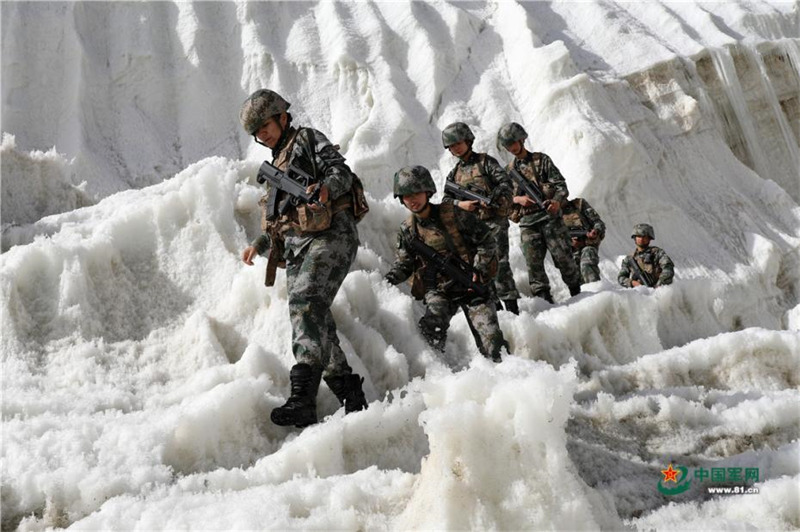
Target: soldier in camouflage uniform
(651, 260)
(316, 244)
(483, 174)
(449, 231)
(540, 230)
(587, 231)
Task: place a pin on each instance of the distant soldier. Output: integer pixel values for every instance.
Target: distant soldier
(587, 231)
(648, 265)
(482, 173)
(316, 244)
(541, 230)
(444, 231)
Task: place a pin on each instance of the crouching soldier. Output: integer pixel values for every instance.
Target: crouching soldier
(435, 240)
(316, 244)
(648, 265)
(480, 172)
(541, 229)
(587, 231)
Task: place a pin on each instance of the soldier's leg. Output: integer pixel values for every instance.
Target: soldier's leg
(559, 244)
(483, 317)
(590, 264)
(504, 281)
(576, 258)
(534, 249)
(313, 284)
(433, 326)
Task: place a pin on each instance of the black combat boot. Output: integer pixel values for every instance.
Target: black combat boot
(546, 295)
(575, 290)
(300, 409)
(347, 389)
(511, 306)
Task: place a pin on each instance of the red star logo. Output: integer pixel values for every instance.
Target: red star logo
(670, 474)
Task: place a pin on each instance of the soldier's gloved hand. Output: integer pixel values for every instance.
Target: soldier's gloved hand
(391, 278)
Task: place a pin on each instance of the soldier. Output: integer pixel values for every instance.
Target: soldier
(316, 244)
(450, 232)
(656, 266)
(587, 231)
(482, 173)
(540, 230)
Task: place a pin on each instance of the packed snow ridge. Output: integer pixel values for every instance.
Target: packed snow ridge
(141, 358)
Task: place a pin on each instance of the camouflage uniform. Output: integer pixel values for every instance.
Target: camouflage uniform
(316, 262)
(482, 173)
(652, 260)
(579, 215)
(539, 231)
(448, 229)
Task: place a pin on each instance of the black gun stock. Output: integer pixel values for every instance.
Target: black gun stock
(463, 193)
(451, 267)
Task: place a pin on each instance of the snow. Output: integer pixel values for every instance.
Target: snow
(141, 358)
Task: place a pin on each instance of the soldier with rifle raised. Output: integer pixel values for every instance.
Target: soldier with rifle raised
(587, 231)
(539, 192)
(309, 220)
(648, 265)
(476, 177)
(449, 254)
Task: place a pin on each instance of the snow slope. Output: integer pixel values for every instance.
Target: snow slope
(141, 358)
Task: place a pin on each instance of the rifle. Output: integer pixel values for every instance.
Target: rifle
(644, 277)
(464, 193)
(293, 181)
(578, 233)
(451, 266)
(529, 189)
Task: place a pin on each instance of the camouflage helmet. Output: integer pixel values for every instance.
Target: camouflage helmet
(259, 107)
(643, 230)
(413, 179)
(455, 133)
(511, 133)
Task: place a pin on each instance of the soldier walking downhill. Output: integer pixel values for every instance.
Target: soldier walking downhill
(540, 230)
(316, 244)
(587, 231)
(482, 173)
(653, 262)
(449, 231)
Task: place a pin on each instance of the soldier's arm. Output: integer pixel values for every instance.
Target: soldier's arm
(667, 268)
(476, 232)
(552, 175)
(404, 263)
(330, 164)
(594, 218)
(624, 275)
(498, 179)
(451, 177)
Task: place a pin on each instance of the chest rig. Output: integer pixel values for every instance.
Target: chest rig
(445, 238)
(648, 261)
(473, 176)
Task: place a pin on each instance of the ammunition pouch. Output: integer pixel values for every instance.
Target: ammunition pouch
(314, 220)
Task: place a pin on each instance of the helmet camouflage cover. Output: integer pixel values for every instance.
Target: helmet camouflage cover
(259, 107)
(413, 179)
(643, 230)
(455, 133)
(511, 133)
